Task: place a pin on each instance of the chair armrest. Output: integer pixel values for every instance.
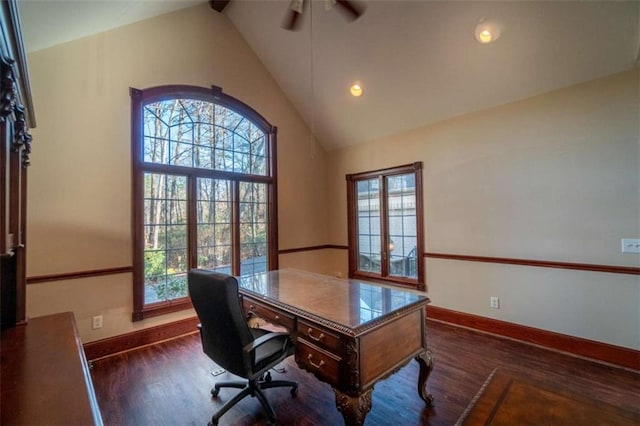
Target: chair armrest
(264, 339)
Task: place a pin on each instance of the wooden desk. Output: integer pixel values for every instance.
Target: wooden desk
(348, 333)
(45, 377)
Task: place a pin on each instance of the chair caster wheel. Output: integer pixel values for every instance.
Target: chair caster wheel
(214, 393)
(267, 378)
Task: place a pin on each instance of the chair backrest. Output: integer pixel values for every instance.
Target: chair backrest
(224, 328)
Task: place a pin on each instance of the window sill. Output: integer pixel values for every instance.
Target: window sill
(161, 308)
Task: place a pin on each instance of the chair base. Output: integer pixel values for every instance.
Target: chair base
(254, 388)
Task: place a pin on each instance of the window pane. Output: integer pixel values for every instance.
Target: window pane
(368, 213)
(214, 224)
(401, 225)
(194, 133)
(204, 134)
(226, 118)
(203, 157)
(253, 227)
(156, 150)
(165, 236)
(180, 154)
(174, 287)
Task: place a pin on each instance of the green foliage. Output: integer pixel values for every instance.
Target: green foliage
(154, 263)
(175, 287)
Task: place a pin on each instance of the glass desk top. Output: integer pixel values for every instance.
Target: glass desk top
(348, 302)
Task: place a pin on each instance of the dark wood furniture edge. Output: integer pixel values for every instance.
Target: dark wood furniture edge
(596, 351)
(16, 42)
(44, 366)
(87, 377)
(135, 339)
(79, 274)
(614, 269)
(347, 331)
(312, 248)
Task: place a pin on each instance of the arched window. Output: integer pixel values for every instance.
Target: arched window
(204, 191)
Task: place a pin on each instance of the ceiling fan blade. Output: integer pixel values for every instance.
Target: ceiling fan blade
(218, 5)
(294, 13)
(291, 21)
(351, 9)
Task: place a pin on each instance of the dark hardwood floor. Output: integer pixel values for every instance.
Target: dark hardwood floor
(169, 383)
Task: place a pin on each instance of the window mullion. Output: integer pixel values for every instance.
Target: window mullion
(235, 227)
(192, 221)
(384, 238)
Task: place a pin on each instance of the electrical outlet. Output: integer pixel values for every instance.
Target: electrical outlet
(97, 322)
(494, 302)
(630, 245)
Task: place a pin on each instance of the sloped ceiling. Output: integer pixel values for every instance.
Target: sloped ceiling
(418, 61)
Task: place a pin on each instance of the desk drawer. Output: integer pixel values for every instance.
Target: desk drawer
(320, 337)
(322, 364)
(269, 314)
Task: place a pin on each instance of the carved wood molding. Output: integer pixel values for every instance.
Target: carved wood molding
(10, 107)
(8, 88)
(22, 137)
(354, 408)
(353, 361)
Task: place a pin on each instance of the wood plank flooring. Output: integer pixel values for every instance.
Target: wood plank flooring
(169, 383)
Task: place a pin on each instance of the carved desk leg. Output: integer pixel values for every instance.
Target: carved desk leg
(353, 408)
(425, 360)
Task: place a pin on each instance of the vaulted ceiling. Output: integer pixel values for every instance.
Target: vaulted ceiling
(418, 61)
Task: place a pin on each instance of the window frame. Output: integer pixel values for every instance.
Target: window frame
(352, 215)
(139, 99)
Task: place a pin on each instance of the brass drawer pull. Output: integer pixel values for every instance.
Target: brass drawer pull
(252, 307)
(317, 339)
(277, 317)
(318, 366)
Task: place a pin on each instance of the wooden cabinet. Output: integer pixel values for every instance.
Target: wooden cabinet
(45, 376)
(16, 117)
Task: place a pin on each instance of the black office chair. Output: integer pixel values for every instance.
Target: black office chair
(232, 344)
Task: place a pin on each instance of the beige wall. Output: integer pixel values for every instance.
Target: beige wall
(79, 214)
(555, 177)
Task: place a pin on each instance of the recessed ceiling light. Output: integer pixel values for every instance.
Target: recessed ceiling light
(485, 36)
(487, 31)
(356, 90)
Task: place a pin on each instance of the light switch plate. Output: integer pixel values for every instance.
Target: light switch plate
(630, 245)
